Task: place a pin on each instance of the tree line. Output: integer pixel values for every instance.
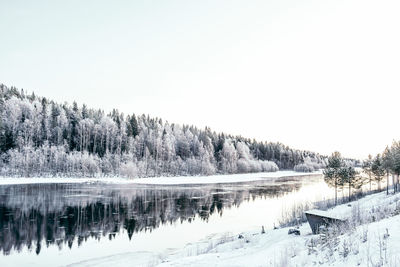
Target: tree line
(40, 137)
(340, 174)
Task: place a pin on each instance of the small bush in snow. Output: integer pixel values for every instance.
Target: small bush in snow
(345, 249)
(309, 165)
(365, 234)
(303, 167)
(129, 170)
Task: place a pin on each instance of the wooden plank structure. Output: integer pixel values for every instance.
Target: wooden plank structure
(317, 218)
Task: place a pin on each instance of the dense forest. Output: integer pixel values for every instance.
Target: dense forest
(39, 137)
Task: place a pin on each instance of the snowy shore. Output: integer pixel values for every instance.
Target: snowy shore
(374, 241)
(212, 179)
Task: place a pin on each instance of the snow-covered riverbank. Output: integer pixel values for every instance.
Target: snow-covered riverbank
(212, 179)
(374, 241)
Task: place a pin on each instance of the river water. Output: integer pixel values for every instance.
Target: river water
(62, 224)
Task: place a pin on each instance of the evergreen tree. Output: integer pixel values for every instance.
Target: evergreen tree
(132, 126)
(332, 172)
(85, 112)
(395, 166)
(44, 120)
(350, 176)
(367, 164)
(387, 164)
(74, 120)
(378, 170)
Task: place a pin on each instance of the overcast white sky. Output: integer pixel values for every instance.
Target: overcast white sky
(316, 75)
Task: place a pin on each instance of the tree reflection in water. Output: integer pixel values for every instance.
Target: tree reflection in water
(61, 214)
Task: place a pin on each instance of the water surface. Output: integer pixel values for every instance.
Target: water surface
(61, 224)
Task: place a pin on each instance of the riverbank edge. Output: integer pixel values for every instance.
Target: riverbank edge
(163, 180)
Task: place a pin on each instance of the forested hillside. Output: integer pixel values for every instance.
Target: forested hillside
(39, 137)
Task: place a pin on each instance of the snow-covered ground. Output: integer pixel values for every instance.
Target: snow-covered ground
(374, 242)
(213, 179)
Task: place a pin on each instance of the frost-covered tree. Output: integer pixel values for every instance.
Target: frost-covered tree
(395, 164)
(367, 164)
(332, 172)
(76, 140)
(378, 170)
(387, 163)
(229, 157)
(348, 175)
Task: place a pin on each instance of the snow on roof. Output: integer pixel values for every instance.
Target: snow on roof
(323, 213)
